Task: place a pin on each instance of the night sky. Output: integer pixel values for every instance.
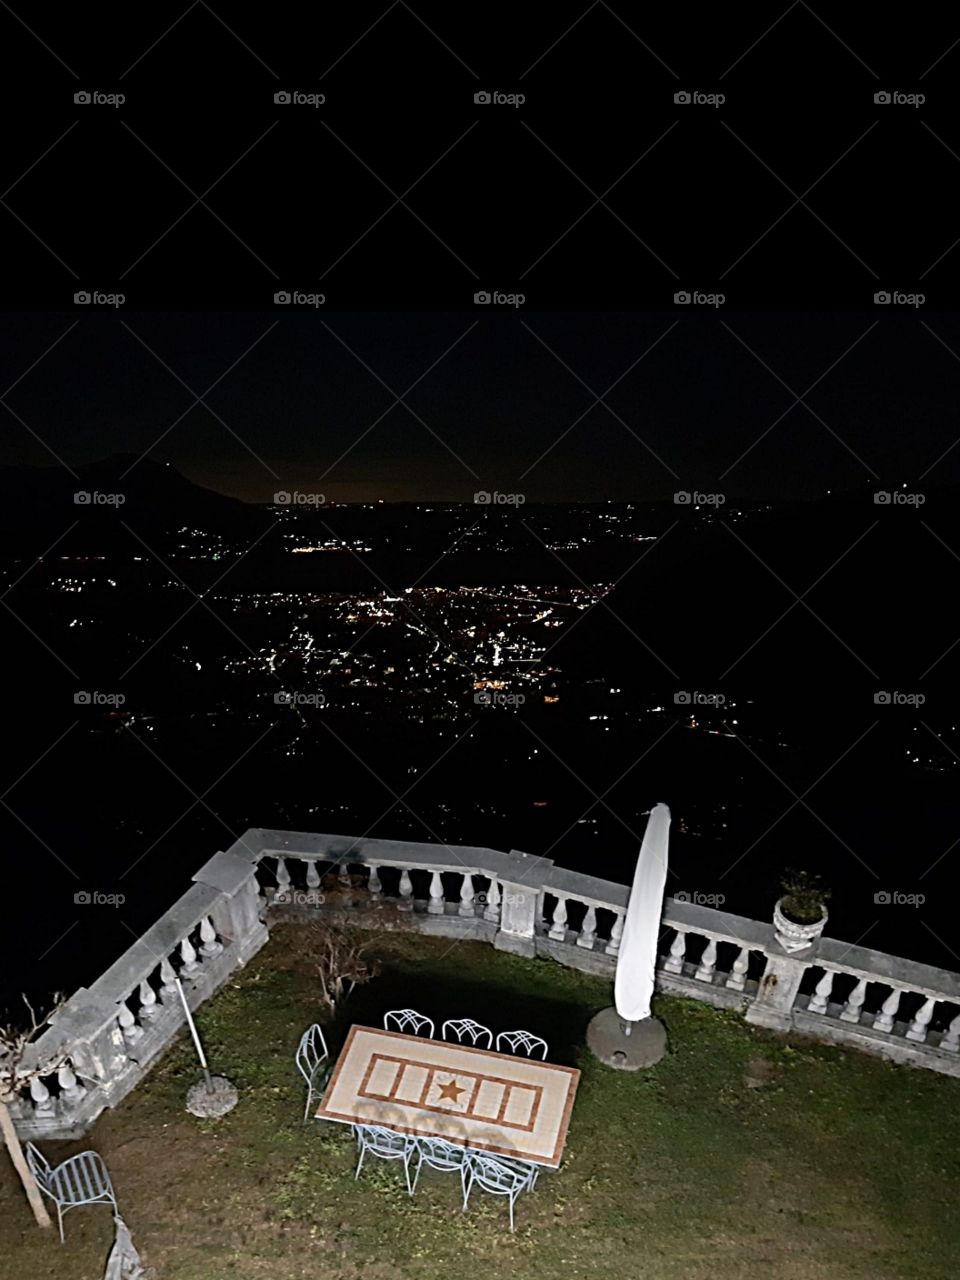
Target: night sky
(298, 401)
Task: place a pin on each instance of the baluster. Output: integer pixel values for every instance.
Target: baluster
(71, 1091)
(888, 1011)
(674, 961)
(374, 887)
(918, 1027)
(313, 875)
(43, 1104)
(168, 989)
(708, 962)
(343, 878)
(282, 892)
(737, 977)
(406, 891)
(852, 1009)
(189, 957)
(588, 931)
(616, 933)
(820, 999)
(435, 907)
(951, 1041)
(209, 943)
(492, 910)
(149, 1010)
(558, 929)
(466, 896)
(128, 1025)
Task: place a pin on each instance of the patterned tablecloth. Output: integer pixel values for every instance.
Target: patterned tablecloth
(511, 1105)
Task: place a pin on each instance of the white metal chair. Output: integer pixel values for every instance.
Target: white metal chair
(497, 1178)
(83, 1179)
(517, 1040)
(446, 1157)
(404, 1019)
(313, 1060)
(385, 1144)
(530, 1170)
(466, 1027)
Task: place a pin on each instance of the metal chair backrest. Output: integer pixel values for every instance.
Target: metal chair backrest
(405, 1019)
(311, 1051)
(497, 1177)
(440, 1154)
(526, 1040)
(378, 1138)
(466, 1028)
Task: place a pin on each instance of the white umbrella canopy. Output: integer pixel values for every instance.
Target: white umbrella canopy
(124, 1261)
(636, 963)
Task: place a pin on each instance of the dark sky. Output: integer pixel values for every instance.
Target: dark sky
(497, 410)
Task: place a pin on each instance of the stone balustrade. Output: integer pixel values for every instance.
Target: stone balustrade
(106, 1036)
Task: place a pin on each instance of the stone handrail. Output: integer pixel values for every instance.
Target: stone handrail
(106, 1036)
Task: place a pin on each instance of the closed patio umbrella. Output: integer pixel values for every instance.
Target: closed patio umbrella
(636, 963)
(124, 1261)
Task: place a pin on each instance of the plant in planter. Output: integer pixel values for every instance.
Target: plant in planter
(801, 912)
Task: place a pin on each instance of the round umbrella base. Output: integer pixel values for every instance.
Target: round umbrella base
(201, 1102)
(643, 1047)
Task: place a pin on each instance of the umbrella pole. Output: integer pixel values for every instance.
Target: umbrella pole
(196, 1038)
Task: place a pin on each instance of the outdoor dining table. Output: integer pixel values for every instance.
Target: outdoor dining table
(497, 1102)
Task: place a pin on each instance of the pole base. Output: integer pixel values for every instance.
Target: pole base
(201, 1102)
(643, 1047)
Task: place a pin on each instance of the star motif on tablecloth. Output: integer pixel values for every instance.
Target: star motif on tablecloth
(451, 1091)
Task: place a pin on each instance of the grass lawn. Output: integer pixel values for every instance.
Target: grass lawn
(740, 1156)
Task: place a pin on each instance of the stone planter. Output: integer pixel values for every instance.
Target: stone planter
(793, 936)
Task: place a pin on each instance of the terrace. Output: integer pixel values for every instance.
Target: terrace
(754, 1149)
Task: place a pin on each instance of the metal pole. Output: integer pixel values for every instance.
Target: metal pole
(196, 1038)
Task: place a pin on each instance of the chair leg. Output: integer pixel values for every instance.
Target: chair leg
(60, 1221)
(512, 1198)
(306, 1109)
(363, 1152)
